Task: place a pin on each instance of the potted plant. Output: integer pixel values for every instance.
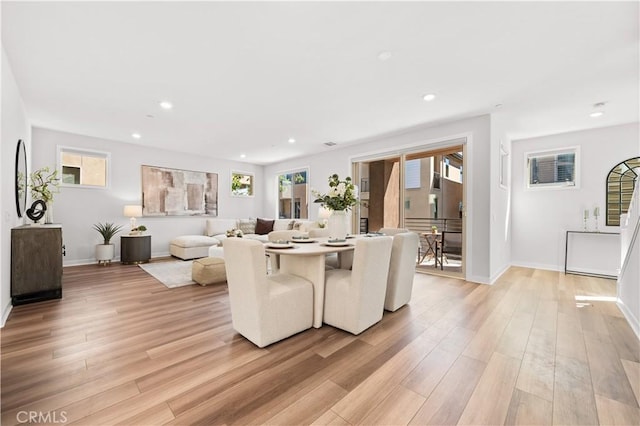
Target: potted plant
(434, 229)
(43, 183)
(138, 230)
(106, 251)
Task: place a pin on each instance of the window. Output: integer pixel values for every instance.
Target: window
(552, 169)
(293, 195)
(621, 182)
(242, 184)
(82, 167)
(412, 174)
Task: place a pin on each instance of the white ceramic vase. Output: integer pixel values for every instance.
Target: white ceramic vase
(338, 225)
(48, 214)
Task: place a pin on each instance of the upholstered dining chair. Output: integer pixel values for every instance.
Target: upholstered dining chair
(354, 300)
(402, 267)
(393, 231)
(264, 308)
(283, 235)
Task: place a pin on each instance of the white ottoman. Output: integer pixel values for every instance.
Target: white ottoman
(192, 246)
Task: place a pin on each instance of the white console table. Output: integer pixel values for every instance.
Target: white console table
(592, 253)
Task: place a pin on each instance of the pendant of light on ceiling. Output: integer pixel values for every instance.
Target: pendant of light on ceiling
(598, 110)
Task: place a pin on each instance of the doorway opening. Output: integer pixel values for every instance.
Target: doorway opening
(423, 192)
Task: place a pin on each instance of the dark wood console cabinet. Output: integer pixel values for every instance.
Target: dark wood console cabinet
(135, 249)
(36, 263)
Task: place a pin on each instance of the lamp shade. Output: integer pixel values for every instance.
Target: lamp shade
(133, 211)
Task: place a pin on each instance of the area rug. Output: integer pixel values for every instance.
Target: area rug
(173, 273)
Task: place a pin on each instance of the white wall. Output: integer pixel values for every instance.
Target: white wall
(500, 226)
(14, 126)
(477, 129)
(541, 217)
(77, 209)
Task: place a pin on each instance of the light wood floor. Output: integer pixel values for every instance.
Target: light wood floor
(120, 348)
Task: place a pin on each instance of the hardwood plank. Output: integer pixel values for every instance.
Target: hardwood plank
(612, 412)
(379, 384)
(528, 409)
(632, 369)
(536, 375)
(498, 380)
(624, 340)
(607, 374)
(428, 373)
(397, 408)
(330, 418)
(573, 398)
(310, 407)
(448, 400)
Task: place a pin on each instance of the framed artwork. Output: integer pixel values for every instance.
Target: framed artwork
(175, 192)
(242, 184)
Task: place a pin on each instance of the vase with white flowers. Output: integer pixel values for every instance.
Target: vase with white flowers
(340, 198)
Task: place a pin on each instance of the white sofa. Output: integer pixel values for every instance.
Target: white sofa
(215, 232)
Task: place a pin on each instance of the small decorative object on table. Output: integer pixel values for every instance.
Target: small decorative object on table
(340, 198)
(138, 230)
(434, 229)
(586, 217)
(596, 213)
(43, 184)
(234, 233)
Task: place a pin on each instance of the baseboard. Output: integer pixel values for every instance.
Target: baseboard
(5, 314)
(495, 277)
(477, 279)
(534, 265)
(631, 319)
(90, 261)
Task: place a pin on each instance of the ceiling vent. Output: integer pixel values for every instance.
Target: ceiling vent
(330, 143)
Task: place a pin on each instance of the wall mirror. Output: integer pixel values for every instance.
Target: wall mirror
(21, 178)
(242, 184)
(621, 181)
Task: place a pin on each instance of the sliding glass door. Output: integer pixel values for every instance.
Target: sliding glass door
(422, 191)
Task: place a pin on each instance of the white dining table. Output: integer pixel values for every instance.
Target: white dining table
(307, 260)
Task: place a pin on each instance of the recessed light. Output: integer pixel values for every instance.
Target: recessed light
(596, 114)
(292, 140)
(136, 135)
(242, 155)
(429, 97)
(166, 105)
(383, 56)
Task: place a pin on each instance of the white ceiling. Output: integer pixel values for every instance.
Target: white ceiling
(245, 77)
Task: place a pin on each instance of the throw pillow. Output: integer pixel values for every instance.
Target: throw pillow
(247, 226)
(264, 226)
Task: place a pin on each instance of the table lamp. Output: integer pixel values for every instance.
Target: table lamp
(132, 212)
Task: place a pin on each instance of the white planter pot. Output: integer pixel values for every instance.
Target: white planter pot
(105, 252)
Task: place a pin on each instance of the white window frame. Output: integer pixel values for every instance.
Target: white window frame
(575, 150)
(89, 153)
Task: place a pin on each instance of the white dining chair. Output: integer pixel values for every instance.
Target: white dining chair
(393, 231)
(354, 299)
(264, 308)
(402, 268)
(282, 235)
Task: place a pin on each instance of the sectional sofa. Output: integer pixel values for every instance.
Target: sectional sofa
(215, 231)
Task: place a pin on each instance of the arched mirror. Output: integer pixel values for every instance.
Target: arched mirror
(621, 182)
(21, 178)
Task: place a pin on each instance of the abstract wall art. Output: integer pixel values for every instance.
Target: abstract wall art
(175, 192)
